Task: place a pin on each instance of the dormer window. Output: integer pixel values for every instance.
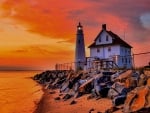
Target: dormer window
(106, 37)
(99, 39)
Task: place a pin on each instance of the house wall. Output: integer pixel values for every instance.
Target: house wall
(125, 58)
(120, 54)
(102, 38)
(104, 52)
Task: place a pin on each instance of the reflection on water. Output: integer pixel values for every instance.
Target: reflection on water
(18, 93)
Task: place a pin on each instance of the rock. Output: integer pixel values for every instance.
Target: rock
(76, 86)
(73, 102)
(78, 94)
(52, 92)
(137, 99)
(125, 75)
(119, 100)
(64, 86)
(99, 112)
(92, 109)
(117, 89)
(104, 92)
(66, 97)
(57, 98)
(82, 87)
(143, 80)
(112, 110)
(99, 97)
(90, 97)
(114, 76)
(100, 85)
(144, 110)
(61, 94)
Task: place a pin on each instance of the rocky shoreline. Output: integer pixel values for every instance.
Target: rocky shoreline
(119, 87)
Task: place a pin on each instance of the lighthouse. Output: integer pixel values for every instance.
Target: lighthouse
(80, 49)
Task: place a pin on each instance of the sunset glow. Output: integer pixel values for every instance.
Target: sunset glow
(37, 34)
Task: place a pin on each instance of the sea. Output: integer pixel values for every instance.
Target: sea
(18, 92)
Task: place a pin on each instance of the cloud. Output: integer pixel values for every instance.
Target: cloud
(145, 20)
(20, 51)
(13, 12)
(58, 20)
(3, 1)
(63, 41)
(33, 2)
(42, 17)
(120, 17)
(43, 51)
(75, 13)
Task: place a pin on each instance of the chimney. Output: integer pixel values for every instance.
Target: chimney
(104, 27)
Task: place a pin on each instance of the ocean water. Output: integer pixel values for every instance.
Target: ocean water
(18, 92)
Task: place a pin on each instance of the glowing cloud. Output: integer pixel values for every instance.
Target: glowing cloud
(44, 32)
(145, 20)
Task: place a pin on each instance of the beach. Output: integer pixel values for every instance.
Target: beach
(55, 100)
(48, 104)
(18, 92)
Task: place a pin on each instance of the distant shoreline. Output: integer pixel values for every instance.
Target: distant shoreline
(19, 70)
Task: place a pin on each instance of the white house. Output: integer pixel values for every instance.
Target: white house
(108, 45)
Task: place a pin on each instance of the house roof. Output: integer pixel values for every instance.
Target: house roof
(116, 41)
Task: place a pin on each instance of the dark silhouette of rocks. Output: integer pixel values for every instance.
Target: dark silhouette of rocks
(120, 86)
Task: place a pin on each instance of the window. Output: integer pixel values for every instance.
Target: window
(79, 41)
(128, 51)
(99, 39)
(109, 49)
(98, 50)
(125, 50)
(122, 60)
(129, 61)
(106, 37)
(126, 60)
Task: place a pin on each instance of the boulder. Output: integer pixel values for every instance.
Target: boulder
(142, 80)
(118, 100)
(137, 99)
(83, 87)
(117, 89)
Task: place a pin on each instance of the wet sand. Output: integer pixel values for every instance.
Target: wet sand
(49, 105)
(18, 92)
(43, 105)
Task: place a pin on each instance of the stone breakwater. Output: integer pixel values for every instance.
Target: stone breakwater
(129, 89)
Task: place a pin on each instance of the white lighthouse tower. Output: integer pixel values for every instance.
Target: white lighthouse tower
(80, 49)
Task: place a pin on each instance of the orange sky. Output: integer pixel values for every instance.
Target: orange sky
(38, 34)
